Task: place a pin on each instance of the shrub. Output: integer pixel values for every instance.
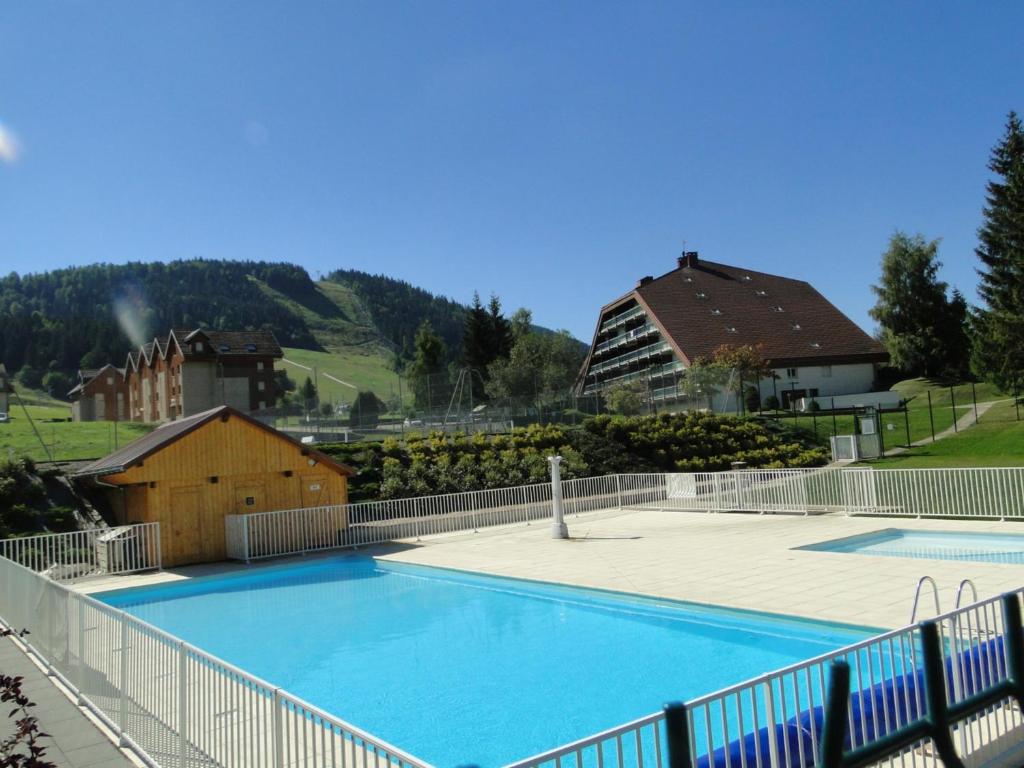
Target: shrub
(771, 403)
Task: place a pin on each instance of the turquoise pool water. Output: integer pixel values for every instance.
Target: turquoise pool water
(462, 668)
(936, 545)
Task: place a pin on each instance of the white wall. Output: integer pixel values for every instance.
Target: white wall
(828, 380)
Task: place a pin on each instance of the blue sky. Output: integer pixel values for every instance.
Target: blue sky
(550, 152)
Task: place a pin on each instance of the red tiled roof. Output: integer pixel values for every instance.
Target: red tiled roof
(698, 307)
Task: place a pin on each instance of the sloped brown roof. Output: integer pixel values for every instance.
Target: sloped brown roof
(172, 431)
(697, 308)
(229, 343)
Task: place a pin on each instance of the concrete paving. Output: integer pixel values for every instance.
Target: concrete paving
(744, 561)
(75, 739)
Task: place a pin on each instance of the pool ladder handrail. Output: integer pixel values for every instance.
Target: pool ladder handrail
(960, 589)
(917, 596)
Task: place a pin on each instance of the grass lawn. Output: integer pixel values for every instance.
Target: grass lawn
(368, 371)
(65, 439)
(996, 441)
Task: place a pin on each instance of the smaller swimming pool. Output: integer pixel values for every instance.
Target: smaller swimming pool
(933, 545)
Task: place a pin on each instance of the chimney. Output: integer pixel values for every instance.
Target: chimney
(688, 259)
(644, 280)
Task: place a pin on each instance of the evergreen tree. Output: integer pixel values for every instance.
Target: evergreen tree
(501, 330)
(478, 344)
(998, 327)
(308, 394)
(915, 316)
(428, 373)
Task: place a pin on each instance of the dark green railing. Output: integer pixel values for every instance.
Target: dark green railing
(935, 724)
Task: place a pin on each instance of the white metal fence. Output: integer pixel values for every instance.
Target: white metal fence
(776, 719)
(269, 534)
(66, 556)
(970, 493)
(177, 705)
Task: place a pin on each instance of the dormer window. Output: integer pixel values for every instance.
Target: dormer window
(796, 326)
(198, 346)
(224, 348)
(761, 293)
(777, 308)
(730, 328)
(701, 295)
(815, 345)
(716, 311)
(250, 347)
(746, 278)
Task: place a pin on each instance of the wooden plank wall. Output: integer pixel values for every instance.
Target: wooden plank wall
(221, 468)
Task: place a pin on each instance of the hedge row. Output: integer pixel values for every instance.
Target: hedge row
(686, 442)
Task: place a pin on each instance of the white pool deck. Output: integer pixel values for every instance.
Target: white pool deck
(746, 561)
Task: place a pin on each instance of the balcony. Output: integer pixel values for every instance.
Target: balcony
(621, 319)
(635, 334)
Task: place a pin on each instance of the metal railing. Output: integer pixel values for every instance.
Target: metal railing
(995, 493)
(73, 555)
(973, 493)
(172, 703)
(776, 719)
(271, 534)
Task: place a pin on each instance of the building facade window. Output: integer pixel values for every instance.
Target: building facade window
(826, 371)
(791, 373)
(259, 365)
(261, 385)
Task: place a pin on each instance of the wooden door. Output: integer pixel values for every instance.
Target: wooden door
(314, 490)
(185, 543)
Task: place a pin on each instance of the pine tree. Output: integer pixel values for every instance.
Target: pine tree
(917, 320)
(427, 373)
(478, 344)
(998, 327)
(501, 330)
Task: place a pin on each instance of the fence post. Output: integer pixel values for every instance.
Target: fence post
(773, 742)
(278, 736)
(159, 550)
(952, 402)
(881, 439)
(81, 650)
(123, 685)
(618, 489)
(835, 427)
(906, 422)
(182, 705)
(931, 417)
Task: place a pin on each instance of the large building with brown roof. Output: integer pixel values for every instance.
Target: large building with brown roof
(656, 331)
(191, 371)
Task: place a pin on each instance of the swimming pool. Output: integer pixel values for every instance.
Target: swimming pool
(463, 668)
(935, 545)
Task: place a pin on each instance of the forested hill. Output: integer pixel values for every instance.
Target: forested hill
(87, 316)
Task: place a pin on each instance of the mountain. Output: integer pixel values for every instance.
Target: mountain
(87, 316)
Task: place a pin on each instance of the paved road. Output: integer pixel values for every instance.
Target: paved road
(74, 740)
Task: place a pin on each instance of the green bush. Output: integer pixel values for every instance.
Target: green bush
(771, 403)
(439, 463)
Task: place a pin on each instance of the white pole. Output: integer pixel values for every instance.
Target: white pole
(559, 530)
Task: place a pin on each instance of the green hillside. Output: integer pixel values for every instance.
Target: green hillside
(340, 373)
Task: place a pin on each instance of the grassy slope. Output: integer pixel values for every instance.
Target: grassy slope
(353, 350)
(364, 369)
(996, 441)
(66, 440)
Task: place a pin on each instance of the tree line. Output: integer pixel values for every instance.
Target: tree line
(499, 358)
(930, 330)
